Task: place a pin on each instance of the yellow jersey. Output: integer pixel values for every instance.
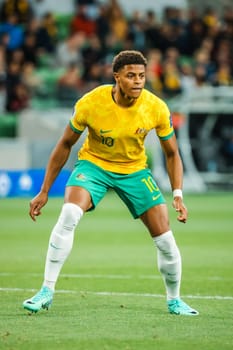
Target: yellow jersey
(115, 138)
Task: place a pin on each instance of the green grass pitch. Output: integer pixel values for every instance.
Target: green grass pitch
(110, 295)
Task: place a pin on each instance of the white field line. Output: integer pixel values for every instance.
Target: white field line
(119, 294)
(102, 276)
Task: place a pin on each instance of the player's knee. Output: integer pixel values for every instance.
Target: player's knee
(166, 244)
(70, 216)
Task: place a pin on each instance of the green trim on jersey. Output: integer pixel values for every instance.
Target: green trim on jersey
(74, 129)
(167, 137)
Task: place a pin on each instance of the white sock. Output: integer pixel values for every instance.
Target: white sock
(61, 242)
(169, 263)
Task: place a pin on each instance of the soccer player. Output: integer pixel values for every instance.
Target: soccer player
(118, 118)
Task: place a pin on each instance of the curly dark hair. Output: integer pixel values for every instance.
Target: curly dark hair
(128, 57)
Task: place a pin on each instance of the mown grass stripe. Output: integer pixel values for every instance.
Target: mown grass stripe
(144, 295)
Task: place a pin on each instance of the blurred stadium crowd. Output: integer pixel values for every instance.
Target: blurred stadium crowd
(63, 56)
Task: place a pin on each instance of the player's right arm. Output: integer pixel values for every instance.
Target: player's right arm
(56, 162)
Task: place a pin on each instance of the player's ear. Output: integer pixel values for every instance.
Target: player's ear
(116, 76)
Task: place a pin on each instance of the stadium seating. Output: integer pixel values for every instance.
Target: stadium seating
(8, 125)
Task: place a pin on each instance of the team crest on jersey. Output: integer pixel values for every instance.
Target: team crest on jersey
(141, 131)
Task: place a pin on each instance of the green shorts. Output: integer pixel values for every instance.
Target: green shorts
(138, 190)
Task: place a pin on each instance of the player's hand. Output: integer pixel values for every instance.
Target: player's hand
(181, 209)
(36, 204)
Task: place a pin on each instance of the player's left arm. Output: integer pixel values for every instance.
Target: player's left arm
(175, 172)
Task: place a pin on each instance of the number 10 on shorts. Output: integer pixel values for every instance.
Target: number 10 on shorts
(150, 184)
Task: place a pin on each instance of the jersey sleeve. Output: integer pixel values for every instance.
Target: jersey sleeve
(164, 128)
(78, 121)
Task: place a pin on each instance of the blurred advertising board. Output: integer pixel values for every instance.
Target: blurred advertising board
(27, 183)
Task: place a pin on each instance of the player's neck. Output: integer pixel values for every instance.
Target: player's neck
(122, 99)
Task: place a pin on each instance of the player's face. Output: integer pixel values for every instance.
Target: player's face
(131, 80)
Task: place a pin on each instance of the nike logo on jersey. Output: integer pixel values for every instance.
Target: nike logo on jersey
(104, 131)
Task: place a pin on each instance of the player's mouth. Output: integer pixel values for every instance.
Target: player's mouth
(136, 90)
